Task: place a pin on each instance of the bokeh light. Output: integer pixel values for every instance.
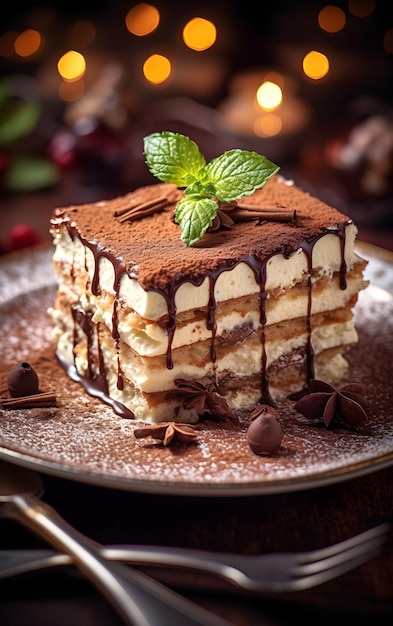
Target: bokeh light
(71, 66)
(269, 96)
(69, 92)
(361, 8)
(28, 43)
(331, 18)
(315, 65)
(199, 34)
(81, 34)
(7, 43)
(388, 41)
(142, 19)
(268, 125)
(157, 69)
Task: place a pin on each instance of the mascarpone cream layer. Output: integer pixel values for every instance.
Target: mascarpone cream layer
(281, 274)
(151, 375)
(148, 339)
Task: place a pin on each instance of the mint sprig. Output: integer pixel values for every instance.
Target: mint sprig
(174, 158)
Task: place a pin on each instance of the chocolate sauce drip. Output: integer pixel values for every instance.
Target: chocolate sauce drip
(308, 247)
(95, 385)
(94, 389)
(83, 321)
(169, 295)
(211, 316)
(308, 250)
(259, 269)
(343, 267)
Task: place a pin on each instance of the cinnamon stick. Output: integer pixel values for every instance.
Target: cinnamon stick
(140, 210)
(36, 400)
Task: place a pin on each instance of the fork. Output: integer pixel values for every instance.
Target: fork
(269, 573)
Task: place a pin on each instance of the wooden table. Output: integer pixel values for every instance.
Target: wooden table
(298, 520)
(293, 521)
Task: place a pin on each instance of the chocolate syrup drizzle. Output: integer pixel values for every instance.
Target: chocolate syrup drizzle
(94, 380)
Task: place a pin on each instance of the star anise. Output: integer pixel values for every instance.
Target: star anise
(263, 409)
(202, 395)
(167, 432)
(346, 403)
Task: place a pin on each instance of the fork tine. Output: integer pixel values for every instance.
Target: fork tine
(320, 565)
(377, 532)
(307, 582)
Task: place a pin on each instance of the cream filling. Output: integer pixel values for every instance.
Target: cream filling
(151, 376)
(150, 339)
(246, 396)
(282, 273)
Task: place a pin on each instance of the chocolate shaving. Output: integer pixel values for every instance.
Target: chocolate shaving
(142, 209)
(346, 403)
(167, 432)
(34, 401)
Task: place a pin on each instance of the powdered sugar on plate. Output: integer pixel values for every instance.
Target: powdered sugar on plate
(84, 440)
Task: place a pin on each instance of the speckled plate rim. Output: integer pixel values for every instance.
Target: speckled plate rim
(191, 489)
(188, 488)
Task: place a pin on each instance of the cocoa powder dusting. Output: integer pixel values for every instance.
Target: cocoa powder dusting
(155, 265)
(86, 437)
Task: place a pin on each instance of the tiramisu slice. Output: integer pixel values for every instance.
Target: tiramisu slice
(245, 305)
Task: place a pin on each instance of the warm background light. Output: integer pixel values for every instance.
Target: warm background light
(269, 96)
(157, 69)
(268, 125)
(361, 8)
(81, 34)
(331, 18)
(315, 65)
(199, 34)
(7, 43)
(142, 19)
(388, 41)
(28, 43)
(69, 92)
(71, 66)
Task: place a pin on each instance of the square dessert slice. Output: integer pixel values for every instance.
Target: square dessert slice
(253, 311)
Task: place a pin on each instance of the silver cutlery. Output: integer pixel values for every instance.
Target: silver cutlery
(267, 573)
(137, 598)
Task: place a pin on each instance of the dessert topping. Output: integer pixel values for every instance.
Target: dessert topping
(167, 432)
(264, 434)
(174, 158)
(23, 387)
(230, 213)
(33, 401)
(22, 380)
(346, 403)
(202, 395)
(264, 409)
(142, 209)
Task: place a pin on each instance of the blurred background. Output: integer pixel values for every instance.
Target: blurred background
(308, 84)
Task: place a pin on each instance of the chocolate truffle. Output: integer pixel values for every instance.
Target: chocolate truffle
(264, 435)
(22, 381)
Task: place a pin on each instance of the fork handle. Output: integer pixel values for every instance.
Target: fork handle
(138, 599)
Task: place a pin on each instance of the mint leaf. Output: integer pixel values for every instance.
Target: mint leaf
(194, 216)
(238, 173)
(173, 158)
(197, 188)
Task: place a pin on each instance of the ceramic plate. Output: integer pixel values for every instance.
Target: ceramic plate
(83, 440)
